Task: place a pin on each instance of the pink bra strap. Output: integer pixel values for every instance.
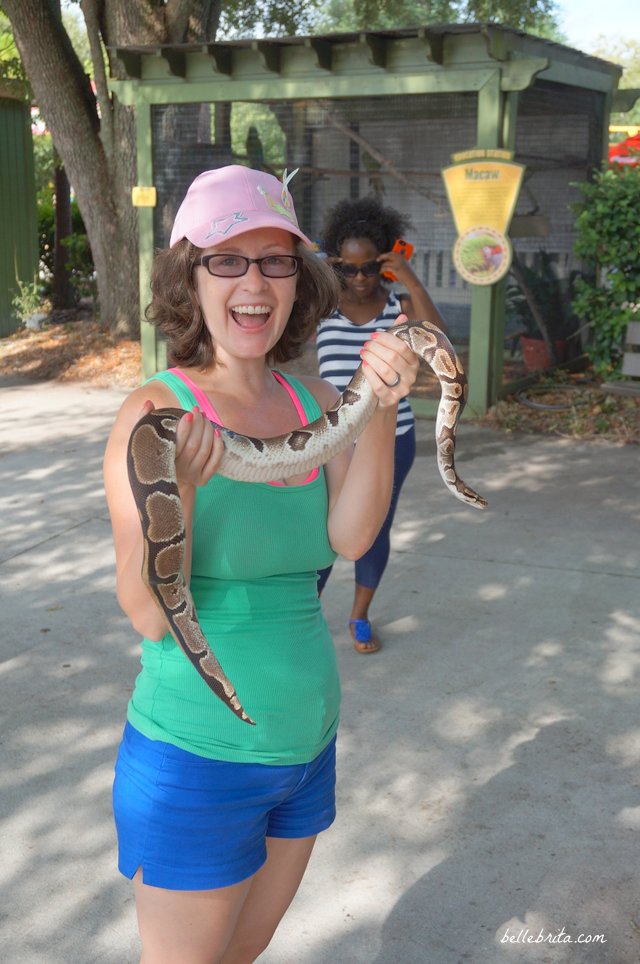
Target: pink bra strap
(207, 408)
(205, 405)
(302, 415)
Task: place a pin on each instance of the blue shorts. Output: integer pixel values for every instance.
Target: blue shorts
(192, 823)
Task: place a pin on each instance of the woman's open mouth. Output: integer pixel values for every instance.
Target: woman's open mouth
(251, 317)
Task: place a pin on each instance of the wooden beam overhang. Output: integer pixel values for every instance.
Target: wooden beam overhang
(376, 47)
(433, 44)
(325, 85)
(268, 55)
(438, 59)
(322, 52)
(625, 99)
(221, 58)
(131, 60)
(176, 60)
(520, 74)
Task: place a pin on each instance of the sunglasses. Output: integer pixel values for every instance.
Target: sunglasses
(369, 269)
(236, 265)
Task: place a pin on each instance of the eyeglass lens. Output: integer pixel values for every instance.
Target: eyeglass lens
(369, 269)
(236, 265)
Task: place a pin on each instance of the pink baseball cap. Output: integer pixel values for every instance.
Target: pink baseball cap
(231, 200)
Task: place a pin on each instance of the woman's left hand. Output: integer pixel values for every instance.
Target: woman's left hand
(390, 366)
(396, 264)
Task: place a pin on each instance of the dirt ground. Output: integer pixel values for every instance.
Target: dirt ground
(72, 346)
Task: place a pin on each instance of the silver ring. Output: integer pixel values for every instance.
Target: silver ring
(394, 383)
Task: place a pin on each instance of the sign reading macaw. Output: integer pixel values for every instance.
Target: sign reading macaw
(482, 187)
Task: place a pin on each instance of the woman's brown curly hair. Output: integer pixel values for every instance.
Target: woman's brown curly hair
(175, 310)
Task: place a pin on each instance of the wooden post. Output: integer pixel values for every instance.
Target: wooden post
(495, 129)
(153, 354)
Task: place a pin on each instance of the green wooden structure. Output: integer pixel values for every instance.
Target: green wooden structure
(380, 111)
(19, 229)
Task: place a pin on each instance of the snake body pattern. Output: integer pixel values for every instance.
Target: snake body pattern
(151, 468)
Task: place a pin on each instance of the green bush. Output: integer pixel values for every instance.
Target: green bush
(27, 299)
(79, 260)
(79, 264)
(608, 227)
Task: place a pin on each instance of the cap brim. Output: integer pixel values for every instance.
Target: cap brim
(202, 236)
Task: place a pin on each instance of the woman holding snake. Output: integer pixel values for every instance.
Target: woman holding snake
(216, 819)
(358, 237)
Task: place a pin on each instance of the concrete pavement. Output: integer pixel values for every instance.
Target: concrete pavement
(489, 783)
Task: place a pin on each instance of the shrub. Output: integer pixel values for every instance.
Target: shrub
(608, 229)
(79, 261)
(27, 299)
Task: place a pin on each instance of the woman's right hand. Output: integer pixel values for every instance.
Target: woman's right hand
(199, 449)
(198, 454)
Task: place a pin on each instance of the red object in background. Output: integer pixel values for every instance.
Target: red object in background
(626, 152)
(405, 248)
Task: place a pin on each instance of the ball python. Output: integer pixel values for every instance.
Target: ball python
(151, 468)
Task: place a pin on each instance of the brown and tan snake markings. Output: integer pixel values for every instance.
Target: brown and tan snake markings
(151, 465)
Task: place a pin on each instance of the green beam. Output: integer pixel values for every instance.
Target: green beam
(486, 338)
(322, 52)
(576, 76)
(148, 334)
(625, 99)
(520, 74)
(481, 352)
(322, 85)
(434, 45)
(220, 58)
(377, 49)
(495, 378)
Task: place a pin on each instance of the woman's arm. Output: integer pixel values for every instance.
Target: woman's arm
(360, 480)
(198, 452)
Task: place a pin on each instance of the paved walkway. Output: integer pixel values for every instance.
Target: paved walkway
(489, 784)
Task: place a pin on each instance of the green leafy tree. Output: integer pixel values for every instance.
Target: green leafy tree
(10, 63)
(626, 52)
(92, 132)
(94, 135)
(535, 16)
(609, 240)
(269, 18)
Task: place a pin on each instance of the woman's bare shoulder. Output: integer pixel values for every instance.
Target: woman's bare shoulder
(154, 391)
(323, 391)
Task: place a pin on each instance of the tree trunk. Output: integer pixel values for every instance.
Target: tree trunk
(101, 165)
(64, 96)
(63, 295)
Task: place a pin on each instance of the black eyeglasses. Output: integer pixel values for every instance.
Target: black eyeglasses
(369, 269)
(235, 265)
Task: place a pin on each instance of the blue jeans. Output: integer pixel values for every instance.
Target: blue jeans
(371, 566)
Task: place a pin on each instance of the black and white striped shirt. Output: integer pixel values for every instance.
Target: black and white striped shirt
(338, 345)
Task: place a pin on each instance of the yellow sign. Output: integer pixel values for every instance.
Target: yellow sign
(482, 187)
(143, 197)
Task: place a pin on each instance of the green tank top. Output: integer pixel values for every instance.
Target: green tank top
(256, 551)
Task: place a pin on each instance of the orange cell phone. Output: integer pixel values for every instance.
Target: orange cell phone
(405, 248)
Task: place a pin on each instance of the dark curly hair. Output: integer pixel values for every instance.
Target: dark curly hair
(175, 310)
(363, 218)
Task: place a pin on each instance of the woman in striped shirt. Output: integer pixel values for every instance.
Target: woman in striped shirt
(358, 238)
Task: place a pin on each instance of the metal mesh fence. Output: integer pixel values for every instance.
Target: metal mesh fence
(394, 147)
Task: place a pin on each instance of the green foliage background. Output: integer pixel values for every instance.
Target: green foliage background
(608, 228)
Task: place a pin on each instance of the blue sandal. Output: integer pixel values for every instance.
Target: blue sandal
(363, 639)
